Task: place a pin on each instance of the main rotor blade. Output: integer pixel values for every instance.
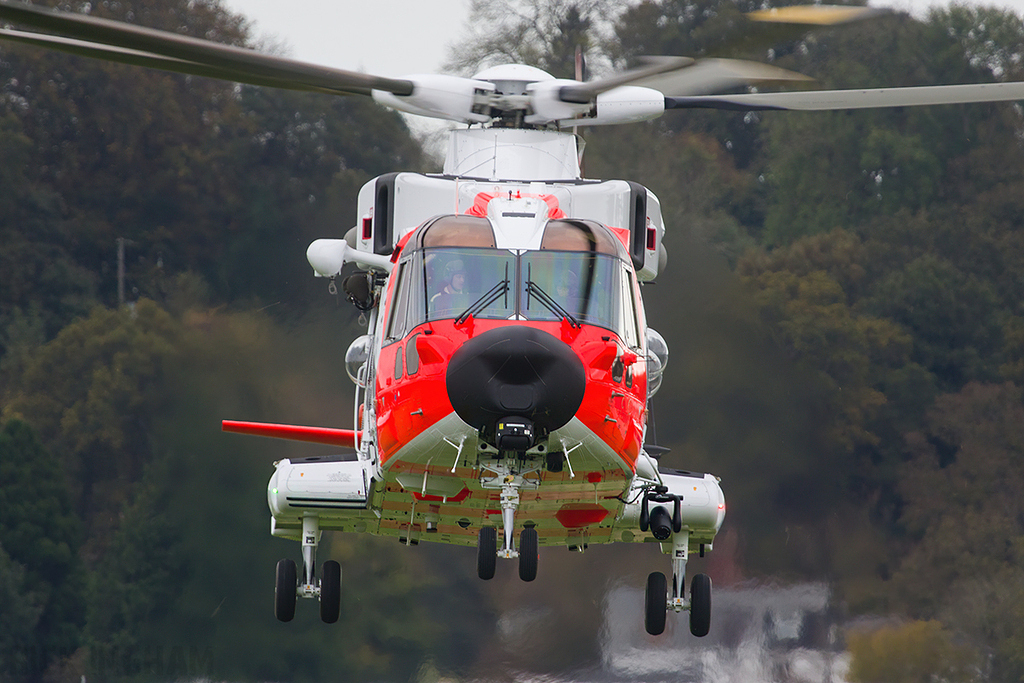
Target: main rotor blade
(709, 76)
(243, 64)
(825, 100)
(766, 28)
(817, 15)
(138, 58)
(586, 92)
(684, 76)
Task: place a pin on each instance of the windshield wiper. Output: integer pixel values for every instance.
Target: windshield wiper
(535, 290)
(488, 298)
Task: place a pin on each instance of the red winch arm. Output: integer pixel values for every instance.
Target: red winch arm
(324, 435)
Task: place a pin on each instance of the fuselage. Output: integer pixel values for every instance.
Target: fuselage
(562, 318)
(504, 377)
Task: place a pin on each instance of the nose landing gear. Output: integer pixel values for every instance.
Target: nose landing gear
(487, 540)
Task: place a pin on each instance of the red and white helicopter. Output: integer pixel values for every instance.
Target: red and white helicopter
(502, 384)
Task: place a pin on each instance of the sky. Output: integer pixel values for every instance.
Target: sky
(381, 37)
(398, 37)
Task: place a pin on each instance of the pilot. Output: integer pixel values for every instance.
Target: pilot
(568, 286)
(454, 290)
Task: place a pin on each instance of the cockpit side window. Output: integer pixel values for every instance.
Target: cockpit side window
(400, 300)
(629, 320)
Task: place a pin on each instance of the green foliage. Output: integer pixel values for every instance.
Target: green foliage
(961, 489)
(23, 607)
(915, 652)
(954, 318)
(41, 576)
(987, 611)
(990, 37)
(92, 394)
(137, 580)
(178, 549)
(799, 296)
(42, 284)
(814, 323)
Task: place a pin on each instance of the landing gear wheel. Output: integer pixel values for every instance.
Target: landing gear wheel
(486, 552)
(655, 604)
(284, 590)
(529, 547)
(700, 605)
(330, 592)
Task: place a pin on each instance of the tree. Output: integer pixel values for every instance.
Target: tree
(987, 612)
(915, 652)
(139, 577)
(23, 605)
(962, 511)
(954, 318)
(41, 572)
(811, 314)
(541, 33)
(990, 37)
(92, 394)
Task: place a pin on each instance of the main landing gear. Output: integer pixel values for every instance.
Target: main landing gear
(487, 552)
(327, 589)
(658, 599)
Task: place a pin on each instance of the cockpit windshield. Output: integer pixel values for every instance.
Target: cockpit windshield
(476, 281)
(582, 281)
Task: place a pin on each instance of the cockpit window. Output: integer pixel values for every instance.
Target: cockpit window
(457, 281)
(588, 287)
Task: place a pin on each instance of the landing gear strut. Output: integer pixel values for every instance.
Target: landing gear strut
(658, 599)
(487, 540)
(288, 585)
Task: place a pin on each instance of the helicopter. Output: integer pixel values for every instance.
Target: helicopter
(502, 387)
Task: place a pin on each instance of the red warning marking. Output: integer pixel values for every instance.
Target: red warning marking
(576, 515)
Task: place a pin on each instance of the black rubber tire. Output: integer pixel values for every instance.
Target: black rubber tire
(486, 552)
(655, 604)
(529, 553)
(700, 605)
(330, 592)
(284, 590)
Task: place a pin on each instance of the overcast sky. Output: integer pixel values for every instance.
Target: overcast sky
(382, 37)
(396, 37)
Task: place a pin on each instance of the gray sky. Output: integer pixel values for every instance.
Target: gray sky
(382, 37)
(398, 37)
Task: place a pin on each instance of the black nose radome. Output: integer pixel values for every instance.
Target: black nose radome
(515, 372)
